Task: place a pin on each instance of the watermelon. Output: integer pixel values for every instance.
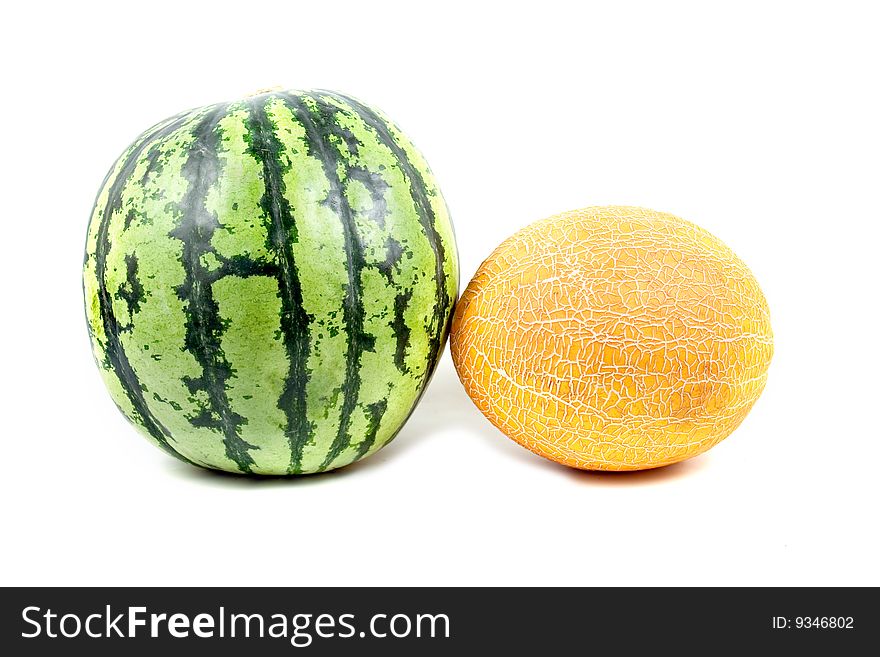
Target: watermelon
(269, 282)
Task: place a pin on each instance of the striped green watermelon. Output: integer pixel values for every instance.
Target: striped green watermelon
(269, 282)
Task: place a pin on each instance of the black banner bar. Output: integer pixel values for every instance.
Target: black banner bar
(333, 621)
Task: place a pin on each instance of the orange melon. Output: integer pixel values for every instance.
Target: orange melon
(613, 338)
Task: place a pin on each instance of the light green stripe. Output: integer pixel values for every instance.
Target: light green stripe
(252, 346)
(319, 256)
(442, 221)
(251, 307)
(380, 377)
(236, 197)
(91, 290)
(90, 274)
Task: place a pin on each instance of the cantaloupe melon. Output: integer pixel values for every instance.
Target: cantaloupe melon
(613, 338)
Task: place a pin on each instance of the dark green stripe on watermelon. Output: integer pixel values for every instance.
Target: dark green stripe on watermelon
(375, 412)
(264, 146)
(204, 326)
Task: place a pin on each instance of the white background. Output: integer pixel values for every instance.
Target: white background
(759, 122)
